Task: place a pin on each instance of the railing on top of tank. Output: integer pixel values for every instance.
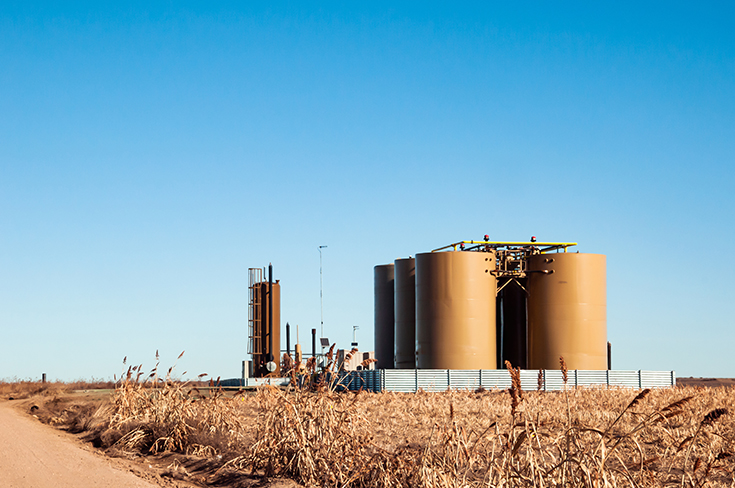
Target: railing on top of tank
(542, 247)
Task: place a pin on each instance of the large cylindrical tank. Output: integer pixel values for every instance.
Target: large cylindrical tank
(405, 313)
(384, 316)
(455, 310)
(567, 311)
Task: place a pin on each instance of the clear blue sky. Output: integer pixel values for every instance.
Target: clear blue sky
(150, 154)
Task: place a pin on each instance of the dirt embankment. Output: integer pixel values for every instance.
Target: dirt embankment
(36, 455)
(708, 382)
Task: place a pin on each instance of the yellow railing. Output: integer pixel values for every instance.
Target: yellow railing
(548, 246)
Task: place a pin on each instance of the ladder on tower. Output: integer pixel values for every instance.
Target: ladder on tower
(255, 311)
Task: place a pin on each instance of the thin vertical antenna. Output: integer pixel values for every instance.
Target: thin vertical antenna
(321, 290)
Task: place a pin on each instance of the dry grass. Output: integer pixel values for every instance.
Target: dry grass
(20, 389)
(318, 437)
(584, 437)
(154, 414)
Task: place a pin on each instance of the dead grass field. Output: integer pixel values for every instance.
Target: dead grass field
(21, 389)
(584, 437)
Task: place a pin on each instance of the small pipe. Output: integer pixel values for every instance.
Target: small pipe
(609, 355)
(288, 339)
(313, 343)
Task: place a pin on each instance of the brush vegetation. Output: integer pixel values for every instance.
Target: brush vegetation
(16, 389)
(510, 438)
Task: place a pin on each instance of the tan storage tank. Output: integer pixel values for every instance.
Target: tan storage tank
(455, 310)
(384, 316)
(567, 311)
(405, 313)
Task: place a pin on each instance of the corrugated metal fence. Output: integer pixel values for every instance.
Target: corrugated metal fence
(411, 380)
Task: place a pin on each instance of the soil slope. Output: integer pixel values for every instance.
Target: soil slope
(36, 455)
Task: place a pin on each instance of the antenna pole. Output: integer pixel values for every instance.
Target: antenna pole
(321, 290)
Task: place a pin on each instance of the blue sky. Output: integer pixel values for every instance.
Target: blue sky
(151, 154)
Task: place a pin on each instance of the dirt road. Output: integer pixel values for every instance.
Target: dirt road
(33, 455)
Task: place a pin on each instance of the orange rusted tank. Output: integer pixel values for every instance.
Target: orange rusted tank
(455, 310)
(261, 339)
(567, 311)
(405, 313)
(384, 316)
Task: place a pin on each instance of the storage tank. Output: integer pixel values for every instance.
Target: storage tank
(455, 310)
(261, 350)
(567, 311)
(384, 316)
(405, 313)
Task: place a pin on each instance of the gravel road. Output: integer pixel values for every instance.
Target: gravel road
(33, 455)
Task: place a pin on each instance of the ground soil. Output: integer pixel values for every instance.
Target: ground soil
(709, 382)
(36, 455)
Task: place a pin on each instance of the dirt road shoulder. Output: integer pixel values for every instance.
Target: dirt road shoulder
(36, 455)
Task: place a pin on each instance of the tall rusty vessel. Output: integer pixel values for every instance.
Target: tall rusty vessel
(567, 311)
(384, 316)
(264, 322)
(455, 310)
(405, 313)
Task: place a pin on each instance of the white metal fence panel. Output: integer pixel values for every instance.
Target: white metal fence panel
(590, 378)
(495, 378)
(657, 379)
(461, 379)
(432, 379)
(399, 380)
(628, 379)
(529, 379)
(553, 380)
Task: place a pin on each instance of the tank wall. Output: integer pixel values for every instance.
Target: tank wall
(384, 316)
(455, 310)
(262, 358)
(405, 313)
(567, 311)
